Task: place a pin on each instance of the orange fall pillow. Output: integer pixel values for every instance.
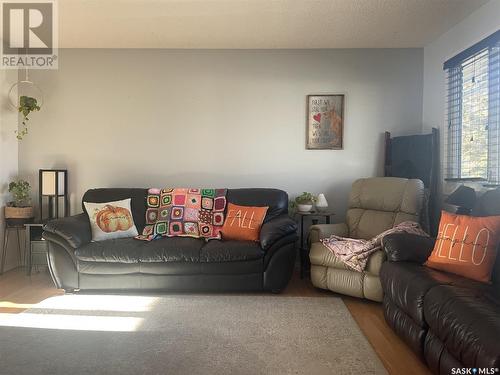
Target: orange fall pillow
(243, 222)
(466, 246)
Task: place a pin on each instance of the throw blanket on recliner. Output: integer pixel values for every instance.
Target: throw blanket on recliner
(184, 212)
(354, 253)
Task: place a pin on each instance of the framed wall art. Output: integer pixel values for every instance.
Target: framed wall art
(325, 122)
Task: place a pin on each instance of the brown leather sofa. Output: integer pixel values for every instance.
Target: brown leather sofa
(375, 205)
(449, 321)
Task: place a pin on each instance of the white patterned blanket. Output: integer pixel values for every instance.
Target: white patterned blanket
(354, 253)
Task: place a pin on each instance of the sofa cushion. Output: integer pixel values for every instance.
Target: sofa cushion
(121, 250)
(366, 224)
(411, 332)
(388, 194)
(466, 320)
(438, 358)
(129, 250)
(406, 284)
(107, 268)
(319, 255)
(174, 249)
(230, 251)
(377, 204)
(232, 268)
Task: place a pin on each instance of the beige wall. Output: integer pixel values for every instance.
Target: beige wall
(218, 118)
(8, 158)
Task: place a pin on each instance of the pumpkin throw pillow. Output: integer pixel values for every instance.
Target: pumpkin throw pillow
(466, 246)
(243, 222)
(111, 220)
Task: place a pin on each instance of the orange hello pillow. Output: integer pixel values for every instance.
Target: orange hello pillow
(466, 246)
(243, 222)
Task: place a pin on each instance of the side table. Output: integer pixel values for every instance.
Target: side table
(36, 247)
(304, 247)
(8, 228)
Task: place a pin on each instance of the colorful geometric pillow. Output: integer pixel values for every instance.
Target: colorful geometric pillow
(184, 212)
(111, 220)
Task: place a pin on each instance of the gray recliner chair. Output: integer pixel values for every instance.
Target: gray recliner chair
(375, 205)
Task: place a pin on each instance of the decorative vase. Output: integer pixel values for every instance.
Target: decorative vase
(301, 207)
(321, 203)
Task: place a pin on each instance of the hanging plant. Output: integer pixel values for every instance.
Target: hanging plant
(27, 104)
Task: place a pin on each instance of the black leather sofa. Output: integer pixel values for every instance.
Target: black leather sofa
(177, 263)
(448, 320)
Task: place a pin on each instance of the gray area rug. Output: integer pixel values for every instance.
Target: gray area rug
(185, 334)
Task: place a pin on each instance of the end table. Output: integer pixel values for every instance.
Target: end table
(304, 247)
(36, 247)
(8, 228)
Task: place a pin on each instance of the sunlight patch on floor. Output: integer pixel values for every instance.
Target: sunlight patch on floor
(80, 312)
(99, 303)
(13, 305)
(71, 322)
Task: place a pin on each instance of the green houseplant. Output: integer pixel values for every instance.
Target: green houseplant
(305, 201)
(27, 105)
(20, 207)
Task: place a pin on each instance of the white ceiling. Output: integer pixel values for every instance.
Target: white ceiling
(257, 23)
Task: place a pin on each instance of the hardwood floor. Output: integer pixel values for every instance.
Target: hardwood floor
(19, 292)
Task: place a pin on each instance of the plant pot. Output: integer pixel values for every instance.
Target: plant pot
(302, 207)
(18, 212)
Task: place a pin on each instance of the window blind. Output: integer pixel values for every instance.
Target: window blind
(494, 115)
(472, 139)
(454, 121)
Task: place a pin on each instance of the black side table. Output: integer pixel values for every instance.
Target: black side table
(8, 228)
(36, 247)
(304, 247)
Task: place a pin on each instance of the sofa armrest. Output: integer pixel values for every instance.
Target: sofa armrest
(320, 231)
(75, 230)
(275, 229)
(375, 262)
(405, 247)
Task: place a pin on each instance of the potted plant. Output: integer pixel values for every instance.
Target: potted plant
(27, 104)
(20, 209)
(305, 202)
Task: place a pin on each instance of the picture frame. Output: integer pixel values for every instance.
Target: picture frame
(325, 122)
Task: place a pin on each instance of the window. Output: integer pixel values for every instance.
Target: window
(472, 135)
